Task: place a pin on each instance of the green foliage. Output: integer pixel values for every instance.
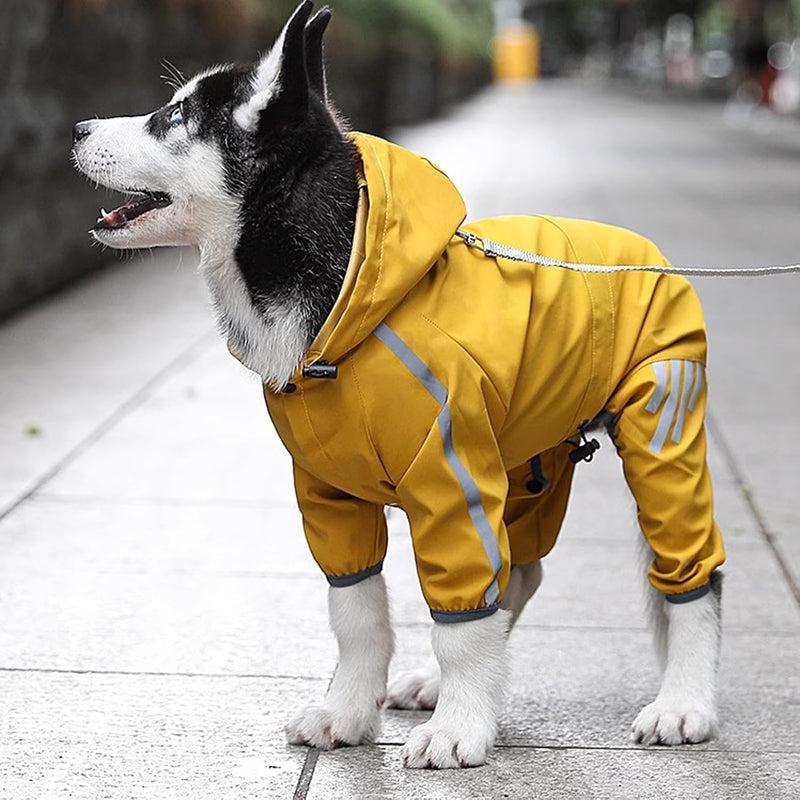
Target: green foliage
(716, 18)
(455, 28)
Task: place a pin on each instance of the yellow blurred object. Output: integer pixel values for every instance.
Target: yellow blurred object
(517, 53)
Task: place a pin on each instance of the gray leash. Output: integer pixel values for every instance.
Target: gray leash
(497, 250)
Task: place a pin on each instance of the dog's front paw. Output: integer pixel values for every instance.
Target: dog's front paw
(414, 689)
(674, 721)
(447, 747)
(327, 727)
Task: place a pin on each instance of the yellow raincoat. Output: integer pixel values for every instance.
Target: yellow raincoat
(454, 369)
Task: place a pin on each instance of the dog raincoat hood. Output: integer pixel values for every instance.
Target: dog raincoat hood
(454, 370)
(413, 212)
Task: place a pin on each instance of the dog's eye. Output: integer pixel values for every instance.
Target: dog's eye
(176, 116)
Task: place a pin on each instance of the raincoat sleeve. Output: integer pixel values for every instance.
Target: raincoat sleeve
(454, 493)
(347, 535)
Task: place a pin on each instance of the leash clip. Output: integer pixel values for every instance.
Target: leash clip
(471, 239)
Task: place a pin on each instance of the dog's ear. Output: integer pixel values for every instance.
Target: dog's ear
(280, 81)
(315, 61)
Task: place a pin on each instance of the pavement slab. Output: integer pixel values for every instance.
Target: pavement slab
(148, 737)
(561, 773)
(74, 360)
(584, 687)
(151, 453)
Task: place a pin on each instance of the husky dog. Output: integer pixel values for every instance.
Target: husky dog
(252, 165)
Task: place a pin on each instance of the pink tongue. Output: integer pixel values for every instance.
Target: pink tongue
(114, 218)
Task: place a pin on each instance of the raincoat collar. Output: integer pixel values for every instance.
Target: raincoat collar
(409, 215)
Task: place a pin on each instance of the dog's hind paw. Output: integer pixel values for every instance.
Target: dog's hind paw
(327, 727)
(415, 689)
(673, 722)
(431, 745)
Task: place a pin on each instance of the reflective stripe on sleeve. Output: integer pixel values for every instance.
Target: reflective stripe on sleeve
(680, 382)
(472, 495)
(689, 368)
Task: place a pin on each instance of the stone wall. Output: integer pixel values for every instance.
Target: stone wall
(66, 60)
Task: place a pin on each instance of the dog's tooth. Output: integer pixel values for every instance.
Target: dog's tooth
(103, 212)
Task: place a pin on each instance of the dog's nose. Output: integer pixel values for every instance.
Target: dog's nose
(81, 131)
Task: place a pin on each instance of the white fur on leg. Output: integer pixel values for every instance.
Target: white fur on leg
(419, 688)
(350, 714)
(473, 661)
(684, 710)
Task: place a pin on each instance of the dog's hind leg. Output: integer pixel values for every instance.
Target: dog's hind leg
(684, 710)
(419, 688)
(415, 688)
(659, 412)
(350, 714)
(523, 582)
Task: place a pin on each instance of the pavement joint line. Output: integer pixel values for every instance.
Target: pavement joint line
(737, 630)
(306, 774)
(748, 495)
(200, 502)
(185, 357)
(662, 750)
(161, 674)
(309, 764)
(544, 627)
(174, 573)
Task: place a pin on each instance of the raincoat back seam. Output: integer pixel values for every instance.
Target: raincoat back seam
(573, 427)
(613, 334)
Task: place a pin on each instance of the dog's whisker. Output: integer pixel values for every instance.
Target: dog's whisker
(174, 72)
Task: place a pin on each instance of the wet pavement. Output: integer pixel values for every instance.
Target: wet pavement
(161, 618)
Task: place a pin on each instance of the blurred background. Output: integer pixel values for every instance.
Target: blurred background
(392, 62)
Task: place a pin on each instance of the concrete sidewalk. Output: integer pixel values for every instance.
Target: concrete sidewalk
(161, 618)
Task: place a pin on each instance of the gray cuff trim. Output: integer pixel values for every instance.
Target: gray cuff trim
(464, 616)
(351, 580)
(687, 597)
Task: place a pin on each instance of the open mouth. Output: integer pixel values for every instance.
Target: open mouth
(120, 217)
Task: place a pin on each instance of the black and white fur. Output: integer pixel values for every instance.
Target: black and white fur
(250, 164)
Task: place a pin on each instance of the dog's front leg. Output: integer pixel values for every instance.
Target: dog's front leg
(684, 710)
(350, 714)
(473, 663)
(419, 688)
